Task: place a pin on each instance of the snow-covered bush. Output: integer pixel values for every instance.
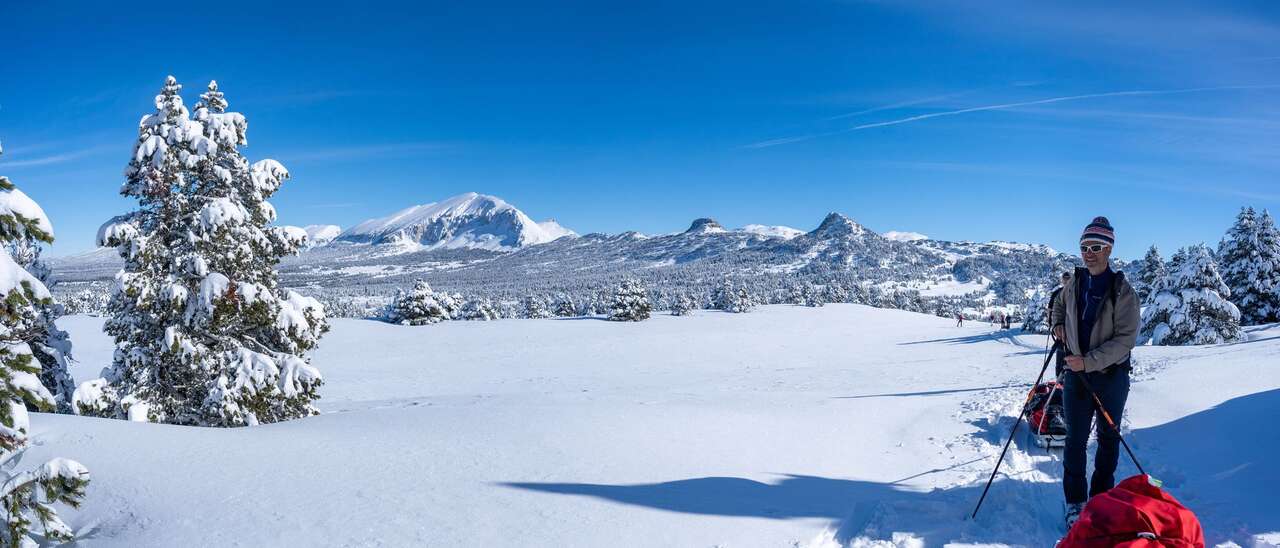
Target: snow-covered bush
(805, 294)
(27, 497)
(683, 305)
(630, 302)
(479, 309)
(422, 306)
(536, 307)
(1250, 259)
(1192, 307)
(204, 335)
(728, 298)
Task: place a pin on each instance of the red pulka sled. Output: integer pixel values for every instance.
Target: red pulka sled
(1137, 513)
(1044, 415)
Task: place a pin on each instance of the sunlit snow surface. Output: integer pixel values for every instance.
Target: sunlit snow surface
(837, 426)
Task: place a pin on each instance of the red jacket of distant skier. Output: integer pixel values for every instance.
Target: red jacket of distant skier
(1137, 513)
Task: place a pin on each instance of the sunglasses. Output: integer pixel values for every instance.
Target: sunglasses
(1095, 248)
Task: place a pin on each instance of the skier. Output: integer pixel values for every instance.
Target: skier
(959, 319)
(1097, 319)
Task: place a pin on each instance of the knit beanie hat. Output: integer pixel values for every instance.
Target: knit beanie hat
(1099, 231)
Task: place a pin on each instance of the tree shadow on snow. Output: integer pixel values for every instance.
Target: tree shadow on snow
(931, 392)
(1219, 462)
(1009, 336)
(856, 508)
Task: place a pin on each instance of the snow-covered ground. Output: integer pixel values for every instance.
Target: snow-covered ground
(787, 426)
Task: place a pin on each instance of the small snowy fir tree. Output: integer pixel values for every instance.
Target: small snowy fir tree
(536, 307)
(422, 306)
(810, 296)
(683, 305)
(1193, 307)
(1250, 267)
(1151, 275)
(28, 496)
(729, 298)
(630, 302)
(478, 309)
(1035, 315)
(204, 335)
(1268, 308)
(565, 307)
(836, 293)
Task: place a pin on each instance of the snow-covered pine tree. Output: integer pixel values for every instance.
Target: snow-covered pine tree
(1151, 275)
(565, 306)
(478, 309)
(1268, 308)
(422, 306)
(536, 307)
(1193, 307)
(1250, 268)
(836, 293)
(1035, 315)
(729, 298)
(795, 293)
(683, 305)
(27, 497)
(630, 302)
(810, 296)
(204, 334)
(50, 345)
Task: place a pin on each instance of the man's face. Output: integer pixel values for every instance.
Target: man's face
(1095, 260)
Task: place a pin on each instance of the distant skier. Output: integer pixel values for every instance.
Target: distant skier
(1097, 319)
(959, 319)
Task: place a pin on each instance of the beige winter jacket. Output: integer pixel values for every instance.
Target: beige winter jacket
(1114, 332)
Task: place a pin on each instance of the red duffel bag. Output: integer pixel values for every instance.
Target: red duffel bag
(1137, 513)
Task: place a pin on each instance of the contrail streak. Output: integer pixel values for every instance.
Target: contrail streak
(1005, 106)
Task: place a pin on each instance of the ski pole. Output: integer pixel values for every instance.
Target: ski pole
(1040, 377)
(1107, 417)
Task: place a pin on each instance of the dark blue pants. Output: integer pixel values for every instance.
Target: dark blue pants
(1112, 387)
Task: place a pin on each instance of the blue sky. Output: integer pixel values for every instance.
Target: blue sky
(969, 120)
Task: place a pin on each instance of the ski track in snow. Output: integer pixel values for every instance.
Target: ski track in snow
(788, 426)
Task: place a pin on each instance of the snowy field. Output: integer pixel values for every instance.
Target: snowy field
(788, 426)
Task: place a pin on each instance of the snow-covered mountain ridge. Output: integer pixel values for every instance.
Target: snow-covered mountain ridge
(481, 244)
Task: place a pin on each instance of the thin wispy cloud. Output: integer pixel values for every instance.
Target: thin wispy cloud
(1002, 106)
(334, 205)
(57, 158)
(363, 152)
(893, 106)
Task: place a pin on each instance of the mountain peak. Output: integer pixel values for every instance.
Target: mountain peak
(835, 223)
(705, 225)
(318, 235)
(779, 231)
(469, 220)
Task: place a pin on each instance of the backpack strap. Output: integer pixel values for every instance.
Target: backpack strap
(1115, 287)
